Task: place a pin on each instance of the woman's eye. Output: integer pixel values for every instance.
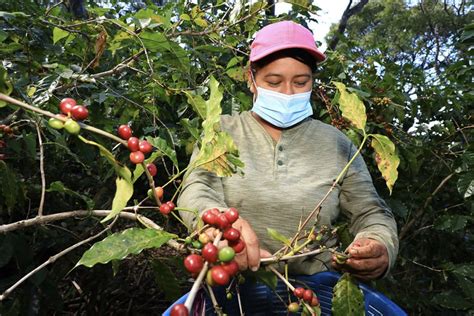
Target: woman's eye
(300, 84)
(273, 84)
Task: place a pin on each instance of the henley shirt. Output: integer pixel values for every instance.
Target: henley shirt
(284, 180)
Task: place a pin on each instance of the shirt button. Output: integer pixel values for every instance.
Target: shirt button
(280, 148)
(280, 163)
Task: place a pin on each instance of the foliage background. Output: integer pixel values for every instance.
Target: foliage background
(410, 62)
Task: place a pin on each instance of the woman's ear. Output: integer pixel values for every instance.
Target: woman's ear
(250, 83)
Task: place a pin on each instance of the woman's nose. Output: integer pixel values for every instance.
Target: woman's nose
(288, 89)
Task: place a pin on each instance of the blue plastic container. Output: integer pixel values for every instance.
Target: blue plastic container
(258, 299)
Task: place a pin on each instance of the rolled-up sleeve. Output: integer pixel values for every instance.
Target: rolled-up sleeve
(369, 215)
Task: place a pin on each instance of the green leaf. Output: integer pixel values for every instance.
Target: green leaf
(451, 223)
(166, 280)
(452, 300)
(352, 107)
(466, 270)
(6, 87)
(123, 193)
(386, 158)
(58, 186)
(198, 104)
(347, 299)
(190, 127)
(124, 184)
(121, 170)
(465, 184)
(274, 234)
(155, 41)
(466, 285)
(164, 148)
(10, 194)
(200, 22)
(119, 245)
(147, 13)
(59, 34)
(263, 276)
(185, 17)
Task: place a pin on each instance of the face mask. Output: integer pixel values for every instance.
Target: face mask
(281, 109)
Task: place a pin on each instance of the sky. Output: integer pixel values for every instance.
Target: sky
(331, 12)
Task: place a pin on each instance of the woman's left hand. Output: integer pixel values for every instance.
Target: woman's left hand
(368, 259)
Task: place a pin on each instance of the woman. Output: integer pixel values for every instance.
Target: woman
(291, 161)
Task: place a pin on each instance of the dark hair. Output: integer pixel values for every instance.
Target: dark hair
(296, 53)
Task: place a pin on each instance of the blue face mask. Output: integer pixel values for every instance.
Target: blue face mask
(281, 109)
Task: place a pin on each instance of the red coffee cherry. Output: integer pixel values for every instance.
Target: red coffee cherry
(152, 169)
(210, 253)
(299, 291)
(209, 218)
(124, 132)
(231, 267)
(165, 209)
(238, 245)
(314, 301)
(219, 275)
(308, 295)
(133, 144)
(137, 157)
(145, 147)
(232, 214)
(193, 263)
(66, 105)
(231, 234)
(79, 112)
(171, 205)
(222, 221)
(179, 310)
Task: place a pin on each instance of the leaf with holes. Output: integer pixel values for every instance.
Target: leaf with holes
(119, 245)
(386, 158)
(352, 107)
(348, 299)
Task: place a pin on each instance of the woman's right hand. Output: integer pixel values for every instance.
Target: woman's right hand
(249, 258)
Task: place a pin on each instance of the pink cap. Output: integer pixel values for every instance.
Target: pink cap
(283, 35)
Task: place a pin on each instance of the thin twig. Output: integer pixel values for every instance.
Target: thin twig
(214, 300)
(53, 259)
(291, 287)
(43, 179)
(424, 266)
(52, 7)
(274, 259)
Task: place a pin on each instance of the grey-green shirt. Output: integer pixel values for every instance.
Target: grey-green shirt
(285, 180)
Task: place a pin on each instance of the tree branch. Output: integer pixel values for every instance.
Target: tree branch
(420, 211)
(53, 259)
(40, 220)
(343, 22)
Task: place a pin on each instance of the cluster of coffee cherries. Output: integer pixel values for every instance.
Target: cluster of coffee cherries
(73, 112)
(221, 261)
(165, 207)
(138, 148)
(304, 295)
